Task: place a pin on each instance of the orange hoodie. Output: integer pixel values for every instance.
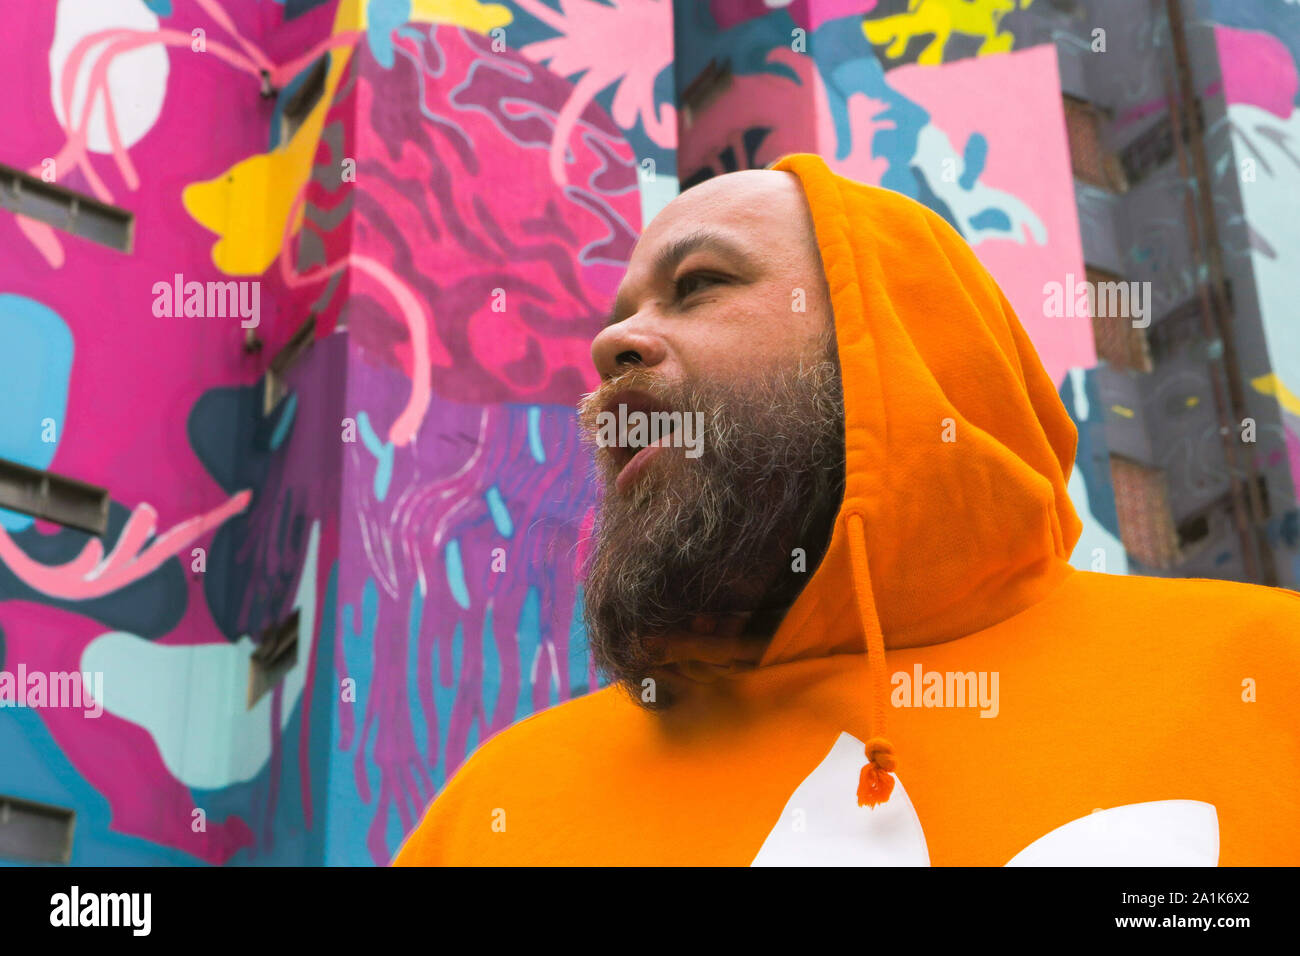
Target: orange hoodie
(1028, 713)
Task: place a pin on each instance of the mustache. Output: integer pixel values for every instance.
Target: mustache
(637, 388)
(671, 395)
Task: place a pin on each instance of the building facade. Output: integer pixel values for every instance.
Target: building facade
(295, 309)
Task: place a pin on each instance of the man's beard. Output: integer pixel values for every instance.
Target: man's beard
(714, 535)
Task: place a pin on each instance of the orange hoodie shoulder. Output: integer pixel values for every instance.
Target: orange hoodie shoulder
(1115, 693)
(531, 794)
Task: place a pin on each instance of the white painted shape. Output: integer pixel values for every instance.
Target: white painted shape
(1079, 389)
(192, 699)
(838, 832)
(1272, 207)
(137, 79)
(932, 148)
(1160, 833)
(1093, 535)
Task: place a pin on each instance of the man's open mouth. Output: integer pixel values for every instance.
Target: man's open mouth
(633, 447)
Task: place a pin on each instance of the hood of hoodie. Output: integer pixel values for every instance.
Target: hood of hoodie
(958, 449)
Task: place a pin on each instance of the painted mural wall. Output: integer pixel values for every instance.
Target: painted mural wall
(109, 378)
(454, 213)
(918, 100)
(1258, 165)
(465, 495)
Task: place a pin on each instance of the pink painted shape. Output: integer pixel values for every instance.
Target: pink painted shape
(1029, 158)
(43, 238)
(87, 576)
(1257, 69)
(627, 43)
(809, 14)
(214, 10)
(413, 314)
(417, 324)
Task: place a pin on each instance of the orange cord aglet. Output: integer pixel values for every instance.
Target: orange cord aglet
(876, 782)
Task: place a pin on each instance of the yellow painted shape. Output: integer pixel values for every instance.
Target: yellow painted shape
(247, 205)
(479, 17)
(1270, 384)
(943, 18)
(1122, 411)
(470, 14)
(1193, 401)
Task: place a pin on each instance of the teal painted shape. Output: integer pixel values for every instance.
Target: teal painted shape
(414, 621)
(529, 634)
(383, 453)
(382, 18)
(500, 513)
(35, 369)
(283, 426)
(445, 685)
(456, 574)
(491, 662)
(535, 446)
(577, 648)
(35, 767)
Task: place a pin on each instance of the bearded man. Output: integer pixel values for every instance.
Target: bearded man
(882, 471)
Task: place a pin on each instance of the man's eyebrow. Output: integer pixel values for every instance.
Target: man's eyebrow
(670, 256)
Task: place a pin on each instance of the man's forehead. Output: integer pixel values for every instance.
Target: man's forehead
(743, 212)
(745, 216)
(734, 202)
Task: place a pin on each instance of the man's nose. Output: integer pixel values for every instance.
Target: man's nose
(625, 345)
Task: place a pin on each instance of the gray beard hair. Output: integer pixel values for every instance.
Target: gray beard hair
(714, 535)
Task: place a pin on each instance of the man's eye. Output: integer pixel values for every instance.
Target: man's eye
(694, 282)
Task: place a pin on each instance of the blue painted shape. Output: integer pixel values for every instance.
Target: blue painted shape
(382, 18)
(35, 768)
(500, 514)
(35, 367)
(162, 8)
(414, 621)
(748, 44)
(445, 686)
(535, 446)
(358, 664)
(491, 663)
(848, 65)
(976, 153)
(283, 426)
(578, 653)
(456, 574)
(529, 634)
(991, 218)
(382, 451)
